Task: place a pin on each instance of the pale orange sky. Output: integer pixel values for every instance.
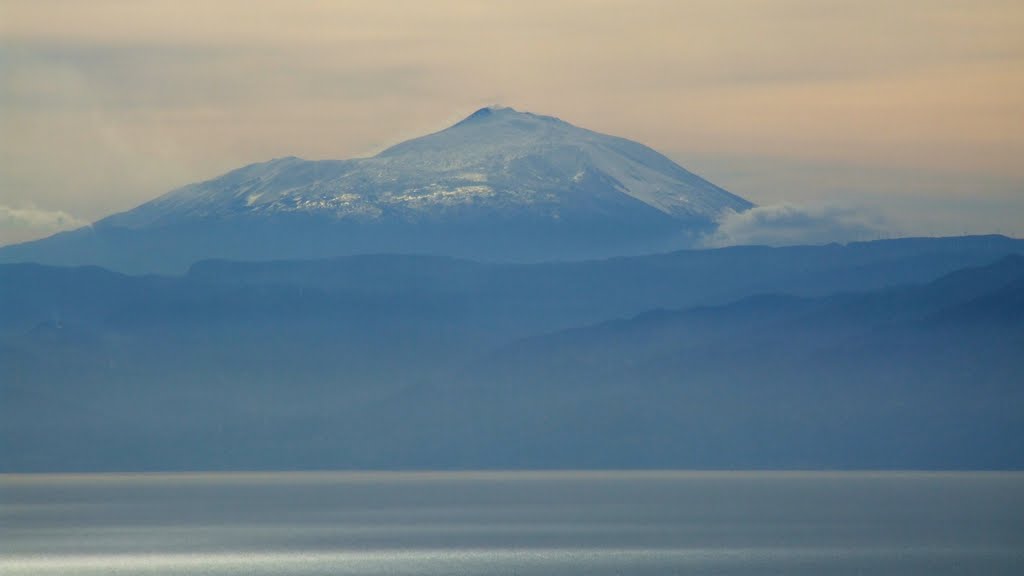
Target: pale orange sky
(911, 109)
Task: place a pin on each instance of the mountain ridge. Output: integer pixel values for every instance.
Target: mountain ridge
(412, 362)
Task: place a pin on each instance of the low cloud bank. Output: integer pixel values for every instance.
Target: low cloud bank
(790, 224)
(21, 224)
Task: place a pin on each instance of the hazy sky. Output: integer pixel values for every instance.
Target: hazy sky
(906, 117)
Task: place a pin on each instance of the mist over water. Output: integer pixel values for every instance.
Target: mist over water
(513, 523)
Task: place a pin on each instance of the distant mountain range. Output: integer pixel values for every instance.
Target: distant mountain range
(889, 354)
(505, 293)
(500, 185)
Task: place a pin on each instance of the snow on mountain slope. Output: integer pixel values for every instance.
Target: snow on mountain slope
(496, 162)
(500, 185)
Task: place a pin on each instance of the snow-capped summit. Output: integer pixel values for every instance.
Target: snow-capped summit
(533, 186)
(496, 161)
(497, 141)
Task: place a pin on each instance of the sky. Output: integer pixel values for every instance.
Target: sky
(863, 117)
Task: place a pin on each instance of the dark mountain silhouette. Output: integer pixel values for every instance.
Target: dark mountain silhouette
(883, 354)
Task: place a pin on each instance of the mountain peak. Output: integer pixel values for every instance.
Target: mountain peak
(490, 114)
(485, 114)
(492, 128)
(488, 111)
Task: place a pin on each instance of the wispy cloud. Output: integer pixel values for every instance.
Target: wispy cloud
(20, 224)
(790, 224)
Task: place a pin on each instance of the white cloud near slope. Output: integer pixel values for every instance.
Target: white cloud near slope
(790, 224)
(28, 223)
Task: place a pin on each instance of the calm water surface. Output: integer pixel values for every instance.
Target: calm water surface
(513, 523)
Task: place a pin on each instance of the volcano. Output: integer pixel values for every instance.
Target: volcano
(501, 185)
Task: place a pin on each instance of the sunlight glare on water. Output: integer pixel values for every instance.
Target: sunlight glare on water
(512, 523)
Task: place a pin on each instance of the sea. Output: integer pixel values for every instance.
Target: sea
(513, 523)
